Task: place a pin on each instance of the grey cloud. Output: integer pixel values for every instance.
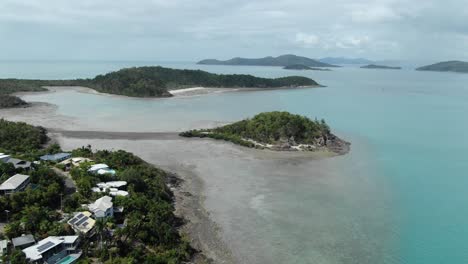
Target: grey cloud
(190, 30)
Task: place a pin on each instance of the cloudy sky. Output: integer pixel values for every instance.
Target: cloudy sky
(196, 29)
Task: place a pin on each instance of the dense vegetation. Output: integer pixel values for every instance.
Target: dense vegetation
(21, 137)
(156, 82)
(150, 233)
(10, 101)
(375, 66)
(447, 66)
(268, 128)
(283, 60)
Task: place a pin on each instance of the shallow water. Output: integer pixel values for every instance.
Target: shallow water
(398, 197)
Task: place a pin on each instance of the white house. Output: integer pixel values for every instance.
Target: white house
(102, 207)
(54, 250)
(14, 184)
(4, 157)
(96, 167)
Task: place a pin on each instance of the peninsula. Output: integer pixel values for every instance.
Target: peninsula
(283, 60)
(303, 67)
(447, 66)
(381, 67)
(156, 81)
(279, 131)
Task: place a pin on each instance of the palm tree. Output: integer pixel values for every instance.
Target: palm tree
(101, 230)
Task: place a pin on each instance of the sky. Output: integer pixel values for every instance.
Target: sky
(189, 30)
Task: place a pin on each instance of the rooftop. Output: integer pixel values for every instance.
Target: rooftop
(82, 222)
(19, 163)
(14, 182)
(97, 167)
(3, 246)
(35, 252)
(55, 157)
(101, 204)
(23, 240)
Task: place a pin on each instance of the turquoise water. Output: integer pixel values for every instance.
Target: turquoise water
(67, 260)
(411, 142)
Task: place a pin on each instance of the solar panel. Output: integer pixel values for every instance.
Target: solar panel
(45, 247)
(84, 219)
(85, 224)
(73, 220)
(79, 216)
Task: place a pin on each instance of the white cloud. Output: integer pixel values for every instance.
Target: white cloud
(307, 40)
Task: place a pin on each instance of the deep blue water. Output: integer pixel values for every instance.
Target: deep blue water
(414, 126)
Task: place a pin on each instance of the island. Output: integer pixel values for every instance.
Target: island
(280, 131)
(382, 67)
(447, 66)
(303, 67)
(156, 81)
(283, 60)
(56, 207)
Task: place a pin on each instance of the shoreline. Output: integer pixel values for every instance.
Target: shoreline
(182, 92)
(189, 197)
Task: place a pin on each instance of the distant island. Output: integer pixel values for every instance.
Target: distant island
(303, 67)
(343, 60)
(374, 66)
(280, 131)
(283, 60)
(156, 82)
(447, 66)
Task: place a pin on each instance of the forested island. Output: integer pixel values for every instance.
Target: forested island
(303, 67)
(283, 60)
(447, 66)
(277, 131)
(156, 82)
(144, 230)
(382, 67)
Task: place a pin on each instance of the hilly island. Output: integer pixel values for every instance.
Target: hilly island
(446, 66)
(283, 60)
(152, 81)
(281, 131)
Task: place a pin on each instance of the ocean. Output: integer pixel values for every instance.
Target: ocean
(399, 196)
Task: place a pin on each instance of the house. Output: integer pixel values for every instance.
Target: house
(56, 157)
(3, 247)
(102, 207)
(23, 241)
(14, 184)
(4, 157)
(112, 187)
(54, 250)
(20, 164)
(75, 162)
(96, 167)
(82, 223)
